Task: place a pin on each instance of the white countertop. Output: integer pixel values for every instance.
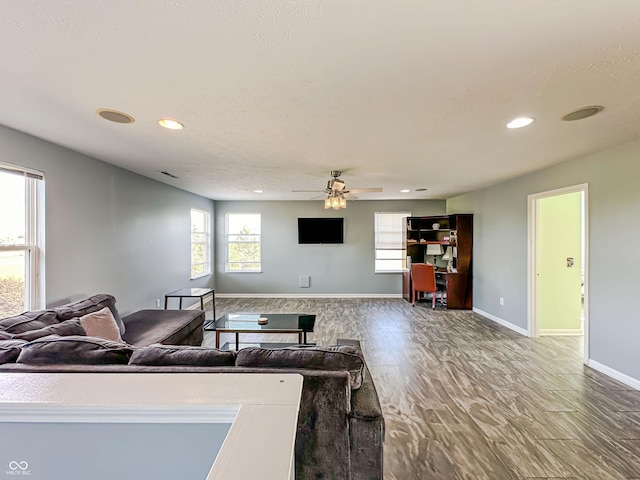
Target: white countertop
(262, 407)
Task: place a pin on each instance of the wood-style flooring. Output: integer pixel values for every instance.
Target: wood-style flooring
(465, 398)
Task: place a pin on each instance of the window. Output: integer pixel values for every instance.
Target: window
(390, 231)
(21, 282)
(200, 243)
(243, 242)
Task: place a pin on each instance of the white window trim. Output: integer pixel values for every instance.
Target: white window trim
(402, 246)
(207, 243)
(34, 230)
(226, 243)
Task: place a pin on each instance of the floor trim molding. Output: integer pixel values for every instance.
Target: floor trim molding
(560, 332)
(308, 295)
(504, 323)
(615, 374)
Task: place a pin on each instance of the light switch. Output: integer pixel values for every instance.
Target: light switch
(570, 262)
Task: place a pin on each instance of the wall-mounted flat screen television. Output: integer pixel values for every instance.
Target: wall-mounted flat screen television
(320, 230)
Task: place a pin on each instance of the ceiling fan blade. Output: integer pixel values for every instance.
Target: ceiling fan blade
(317, 197)
(350, 196)
(365, 190)
(308, 191)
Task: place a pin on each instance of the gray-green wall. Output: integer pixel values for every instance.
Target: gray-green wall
(107, 230)
(346, 269)
(500, 248)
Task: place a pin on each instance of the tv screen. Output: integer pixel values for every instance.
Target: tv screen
(320, 230)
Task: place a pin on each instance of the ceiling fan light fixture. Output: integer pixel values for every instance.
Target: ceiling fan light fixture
(336, 193)
(337, 185)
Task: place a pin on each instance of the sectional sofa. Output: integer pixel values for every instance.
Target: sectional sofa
(340, 424)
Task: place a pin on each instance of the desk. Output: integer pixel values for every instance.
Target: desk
(193, 293)
(457, 286)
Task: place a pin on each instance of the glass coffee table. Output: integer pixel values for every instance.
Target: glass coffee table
(238, 323)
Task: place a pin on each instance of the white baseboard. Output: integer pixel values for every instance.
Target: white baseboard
(504, 323)
(560, 332)
(308, 295)
(615, 374)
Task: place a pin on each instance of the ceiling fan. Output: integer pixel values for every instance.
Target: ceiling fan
(336, 193)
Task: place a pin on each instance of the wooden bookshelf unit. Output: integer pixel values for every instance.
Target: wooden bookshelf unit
(455, 231)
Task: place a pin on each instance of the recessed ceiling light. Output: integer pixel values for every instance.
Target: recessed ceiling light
(259, 191)
(520, 122)
(170, 124)
(115, 116)
(584, 112)
(406, 190)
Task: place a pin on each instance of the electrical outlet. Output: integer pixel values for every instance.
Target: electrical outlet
(157, 303)
(501, 301)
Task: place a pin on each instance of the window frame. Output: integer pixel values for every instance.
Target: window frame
(207, 244)
(400, 247)
(33, 246)
(228, 244)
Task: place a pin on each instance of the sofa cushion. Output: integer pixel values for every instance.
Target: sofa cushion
(170, 327)
(89, 305)
(101, 324)
(10, 349)
(339, 357)
(169, 355)
(4, 335)
(74, 349)
(63, 329)
(26, 321)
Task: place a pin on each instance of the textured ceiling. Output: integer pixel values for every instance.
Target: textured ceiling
(274, 94)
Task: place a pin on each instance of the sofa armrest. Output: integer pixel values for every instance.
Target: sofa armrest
(364, 401)
(169, 327)
(322, 440)
(366, 426)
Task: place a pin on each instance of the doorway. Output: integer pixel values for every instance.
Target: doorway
(558, 263)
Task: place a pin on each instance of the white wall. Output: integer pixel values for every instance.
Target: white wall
(500, 248)
(108, 230)
(334, 269)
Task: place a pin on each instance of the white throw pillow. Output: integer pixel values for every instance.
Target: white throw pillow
(101, 324)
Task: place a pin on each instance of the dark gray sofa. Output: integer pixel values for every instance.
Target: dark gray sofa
(142, 328)
(340, 424)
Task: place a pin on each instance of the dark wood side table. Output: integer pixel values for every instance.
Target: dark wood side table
(193, 293)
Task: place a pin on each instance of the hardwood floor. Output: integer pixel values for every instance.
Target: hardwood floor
(465, 398)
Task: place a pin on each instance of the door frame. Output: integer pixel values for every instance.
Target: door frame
(533, 221)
